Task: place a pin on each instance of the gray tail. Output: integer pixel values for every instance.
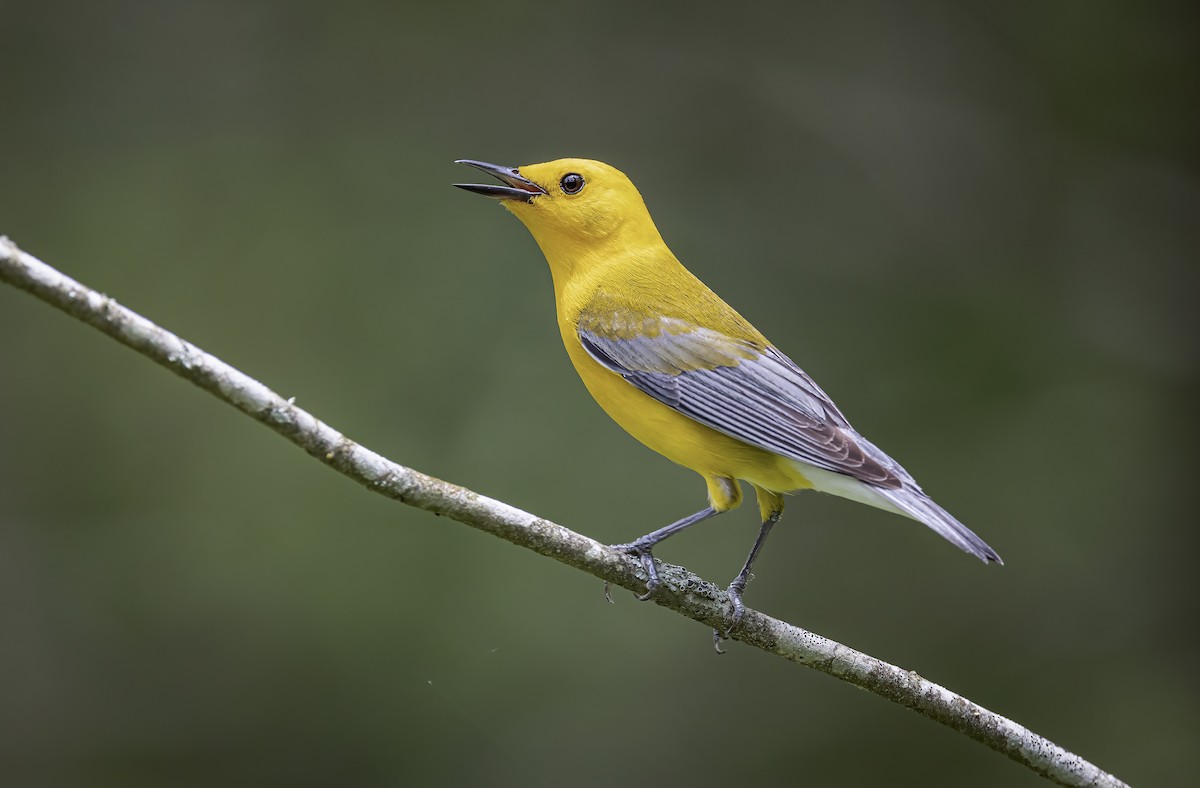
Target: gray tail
(920, 507)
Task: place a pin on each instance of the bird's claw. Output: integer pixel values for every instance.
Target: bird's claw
(739, 610)
(648, 565)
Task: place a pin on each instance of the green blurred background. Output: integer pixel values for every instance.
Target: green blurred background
(975, 225)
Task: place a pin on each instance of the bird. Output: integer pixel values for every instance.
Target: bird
(685, 374)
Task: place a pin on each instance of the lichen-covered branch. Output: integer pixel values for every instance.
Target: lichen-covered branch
(680, 591)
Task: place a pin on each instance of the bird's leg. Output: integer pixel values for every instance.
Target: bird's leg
(739, 583)
(642, 546)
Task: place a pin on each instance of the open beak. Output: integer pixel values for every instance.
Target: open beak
(516, 187)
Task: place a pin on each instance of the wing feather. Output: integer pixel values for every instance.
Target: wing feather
(749, 391)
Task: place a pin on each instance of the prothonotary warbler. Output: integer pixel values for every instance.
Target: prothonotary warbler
(684, 373)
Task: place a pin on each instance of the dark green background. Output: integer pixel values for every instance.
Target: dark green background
(975, 225)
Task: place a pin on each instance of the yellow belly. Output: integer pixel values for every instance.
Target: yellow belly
(689, 443)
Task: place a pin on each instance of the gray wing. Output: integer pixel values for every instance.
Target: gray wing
(755, 394)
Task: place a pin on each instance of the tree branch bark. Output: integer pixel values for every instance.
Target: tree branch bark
(681, 591)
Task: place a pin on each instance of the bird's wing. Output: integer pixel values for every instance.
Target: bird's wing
(744, 389)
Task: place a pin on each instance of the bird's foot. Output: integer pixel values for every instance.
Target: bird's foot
(735, 597)
(642, 551)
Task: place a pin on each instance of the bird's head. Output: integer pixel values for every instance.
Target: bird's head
(570, 205)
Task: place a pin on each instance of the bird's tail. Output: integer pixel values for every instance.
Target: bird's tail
(908, 500)
(916, 504)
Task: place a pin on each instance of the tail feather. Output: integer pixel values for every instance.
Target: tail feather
(916, 504)
(909, 501)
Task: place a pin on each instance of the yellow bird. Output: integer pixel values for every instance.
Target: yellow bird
(684, 373)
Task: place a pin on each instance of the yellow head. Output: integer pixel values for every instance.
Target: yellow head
(575, 208)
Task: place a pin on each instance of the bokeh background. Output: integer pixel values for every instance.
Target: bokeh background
(975, 224)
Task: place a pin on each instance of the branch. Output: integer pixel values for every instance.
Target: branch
(680, 591)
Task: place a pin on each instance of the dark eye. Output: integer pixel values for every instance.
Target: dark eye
(571, 183)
